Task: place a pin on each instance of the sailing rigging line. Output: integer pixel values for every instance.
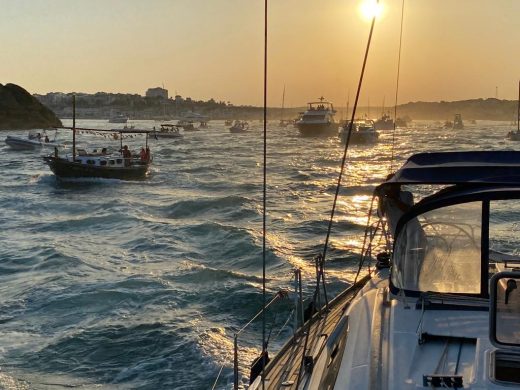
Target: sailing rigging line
(397, 87)
(343, 163)
(347, 143)
(264, 201)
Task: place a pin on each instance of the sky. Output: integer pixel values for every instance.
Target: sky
(451, 50)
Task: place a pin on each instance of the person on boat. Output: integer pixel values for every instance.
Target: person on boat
(143, 155)
(394, 203)
(46, 138)
(148, 156)
(127, 155)
(104, 151)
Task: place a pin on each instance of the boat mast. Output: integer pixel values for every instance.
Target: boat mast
(73, 128)
(518, 113)
(283, 103)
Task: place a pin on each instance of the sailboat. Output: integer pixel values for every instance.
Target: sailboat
(283, 122)
(515, 135)
(385, 122)
(437, 306)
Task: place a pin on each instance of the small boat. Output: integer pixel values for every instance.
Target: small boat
(384, 123)
(239, 127)
(203, 125)
(363, 132)
(514, 135)
(457, 122)
(402, 122)
(187, 125)
(33, 141)
(167, 131)
(228, 122)
(118, 118)
(318, 120)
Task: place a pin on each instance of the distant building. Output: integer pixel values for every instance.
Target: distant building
(157, 92)
(178, 99)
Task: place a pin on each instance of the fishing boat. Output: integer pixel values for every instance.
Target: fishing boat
(515, 135)
(318, 120)
(438, 306)
(35, 140)
(363, 132)
(239, 127)
(167, 130)
(118, 118)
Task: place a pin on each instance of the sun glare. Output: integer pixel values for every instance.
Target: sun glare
(369, 9)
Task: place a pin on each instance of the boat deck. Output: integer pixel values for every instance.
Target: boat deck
(282, 371)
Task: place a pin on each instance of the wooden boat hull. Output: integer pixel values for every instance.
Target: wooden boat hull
(318, 129)
(67, 169)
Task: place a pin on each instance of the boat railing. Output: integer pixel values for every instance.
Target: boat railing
(296, 314)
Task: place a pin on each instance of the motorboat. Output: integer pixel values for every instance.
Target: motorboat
(318, 120)
(239, 127)
(363, 132)
(384, 123)
(33, 141)
(514, 135)
(187, 125)
(167, 130)
(438, 305)
(118, 118)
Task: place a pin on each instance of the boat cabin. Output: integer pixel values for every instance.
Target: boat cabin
(453, 241)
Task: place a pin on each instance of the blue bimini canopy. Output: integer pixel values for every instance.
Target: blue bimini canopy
(444, 168)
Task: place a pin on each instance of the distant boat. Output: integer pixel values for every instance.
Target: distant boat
(318, 120)
(119, 118)
(402, 122)
(187, 125)
(228, 122)
(283, 122)
(34, 140)
(515, 135)
(239, 127)
(167, 131)
(457, 122)
(363, 132)
(384, 123)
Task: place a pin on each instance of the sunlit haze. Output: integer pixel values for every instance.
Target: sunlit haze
(452, 50)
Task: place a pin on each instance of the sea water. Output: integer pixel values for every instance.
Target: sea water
(109, 284)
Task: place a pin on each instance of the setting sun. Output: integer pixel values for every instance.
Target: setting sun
(370, 9)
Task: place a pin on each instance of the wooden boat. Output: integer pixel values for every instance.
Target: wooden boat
(123, 165)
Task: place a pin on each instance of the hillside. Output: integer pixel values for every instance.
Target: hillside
(20, 110)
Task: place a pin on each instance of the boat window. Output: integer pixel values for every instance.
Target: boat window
(439, 251)
(504, 237)
(313, 117)
(111, 162)
(103, 163)
(91, 162)
(119, 161)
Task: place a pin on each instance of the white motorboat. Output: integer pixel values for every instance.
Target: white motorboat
(33, 141)
(118, 118)
(363, 132)
(187, 125)
(441, 308)
(318, 120)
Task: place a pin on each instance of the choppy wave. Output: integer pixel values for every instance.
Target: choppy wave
(116, 285)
